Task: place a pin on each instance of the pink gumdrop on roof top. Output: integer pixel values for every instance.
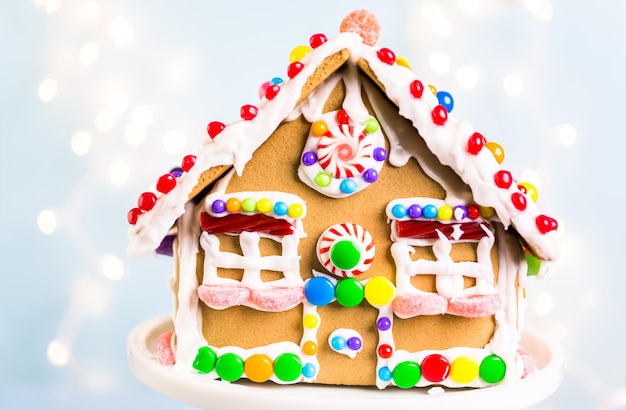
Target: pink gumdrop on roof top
(364, 23)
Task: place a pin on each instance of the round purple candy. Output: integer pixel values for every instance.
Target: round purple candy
(354, 343)
(380, 154)
(177, 172)
(384, 323)
(415, 211)
(309, 158)
(218, 206)
(370, 175)
(460, 212)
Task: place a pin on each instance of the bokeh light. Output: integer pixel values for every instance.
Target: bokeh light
(513, 84)
(440, 62)
(568, 135)
(119, 172)
(175, 142)
(58, 353)
(121, 31)
(48, 89)
(81, 143)
(89, 53)
(112, 267)
(47, 221)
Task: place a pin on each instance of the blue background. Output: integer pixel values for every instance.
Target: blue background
(197, 61)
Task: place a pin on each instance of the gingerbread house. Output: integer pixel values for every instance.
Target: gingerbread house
(348, 230)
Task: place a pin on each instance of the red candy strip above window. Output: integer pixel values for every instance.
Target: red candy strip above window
(428, 230)
(238, 223)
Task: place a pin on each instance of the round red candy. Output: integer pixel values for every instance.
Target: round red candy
(546, 224)
(248, 112)
(519, 200)
(475, 143)
(386, 56)
(435, 368)
(146, 201)
(188, 162)
(385, 351)
(317, 40)
(133, 215)
(473, 211)
(503, 179)
(272, 91)
(166, 183)
(440, 115)
(342, 117)
(294, 68)
(214, 128)
(417, 89)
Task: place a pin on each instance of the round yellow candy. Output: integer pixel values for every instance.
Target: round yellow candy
(264, 205)
(233, 205)
(295, 210)
(445, 212)
(497, 151)
(403, 62)
(487, 212)
(530, 189)
(310, 321)
(309, 348)
(299, 52)
(259, 368)
(379, 291)
(463, 369)
(319, 128)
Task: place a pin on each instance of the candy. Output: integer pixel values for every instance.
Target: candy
(429, 211)
(417, 89)
(319, 291)
(435, 368)
(248, 205)
(276, 81)
(503, 179)
(338, 343)
(165, 356)
(259, 368)
(294, 69)
(264, 205)
(177, 172)
(248, 112)
(445, 99)
(402, 61)
(309, 158)
(218, 206)
(364, 23)
(229, 367)
(386, 56)
(383, 323)
(384, 374)
(492, 369)
(475, 306)
(486, 211)
(222, 297)
(309, 370)
(280, 208)
(349, 292)
(380, 154)
(546, 224)
(166, 183)
(205, 360)
(406, 374)
(370, 175)
(323, 179)
(475, 143)
(354, 343)
(298, 53)
(519, 200)
(263, 88)
(473, 211)
(233, 205)
(276, 299)
(288, 367)
(188, 162)
(440, 115)
(272, 91)
(309, 348)
(534, 265)
(414, 211)
(424, 303)
(496, 150)
(463, 369)
(214, 128)
(346, 249)
(529, 189)
(295, 210)
(347, 186)
(317, 40)
(146, 201)
(445, 212)
(342, 117)
(385, 351)
(319, 128)
(379, 291)
(460, 212)
(310, 321)
(166, 247)
(133, 215)
(371, 125)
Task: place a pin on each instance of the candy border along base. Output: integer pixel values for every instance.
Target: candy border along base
(217, 395)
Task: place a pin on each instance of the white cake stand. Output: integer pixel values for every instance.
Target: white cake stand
(218, 395)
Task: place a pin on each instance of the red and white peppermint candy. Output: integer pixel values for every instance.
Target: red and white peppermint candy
(346, 249)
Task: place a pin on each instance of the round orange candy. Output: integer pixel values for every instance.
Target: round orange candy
(259, 368)
(364, 23)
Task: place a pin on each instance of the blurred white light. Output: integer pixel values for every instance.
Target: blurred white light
(431, 10)
(543, 304)
(174, 142)
(440, 63)
(441, 27)
(91, 295)
(47, 221)
(119, 172)
(104, 120)
(134, 135)
(47, 89)
(58, 353)
(180, 71)
(467, 76)
(38, 3)
(470, 7)
(52, 5)
(88, 11)
(118, 103)
(560, 331)
(89, 53)
(81, 142)
(513, 84)
(121, 32)
(143, 116)
(112, 267)
(568, 135)
(542, 9)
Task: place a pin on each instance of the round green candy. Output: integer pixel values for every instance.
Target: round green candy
(345, 254)
(248, 205)
(323, 179)
(229, 367)
(371, 125)
(406, 374)
(288, 367)
(349, 292)
(492, 369)
(205, 360)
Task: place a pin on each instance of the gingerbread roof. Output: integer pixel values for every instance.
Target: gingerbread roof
(454, 143)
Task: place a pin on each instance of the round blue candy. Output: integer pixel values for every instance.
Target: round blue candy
(399, 211)
(319, 291)
(384, 374)
(276, 80)
(429, 211)
(347, 186)
(309, 370)
(280, 208)
(445, 99)
(338, 343)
